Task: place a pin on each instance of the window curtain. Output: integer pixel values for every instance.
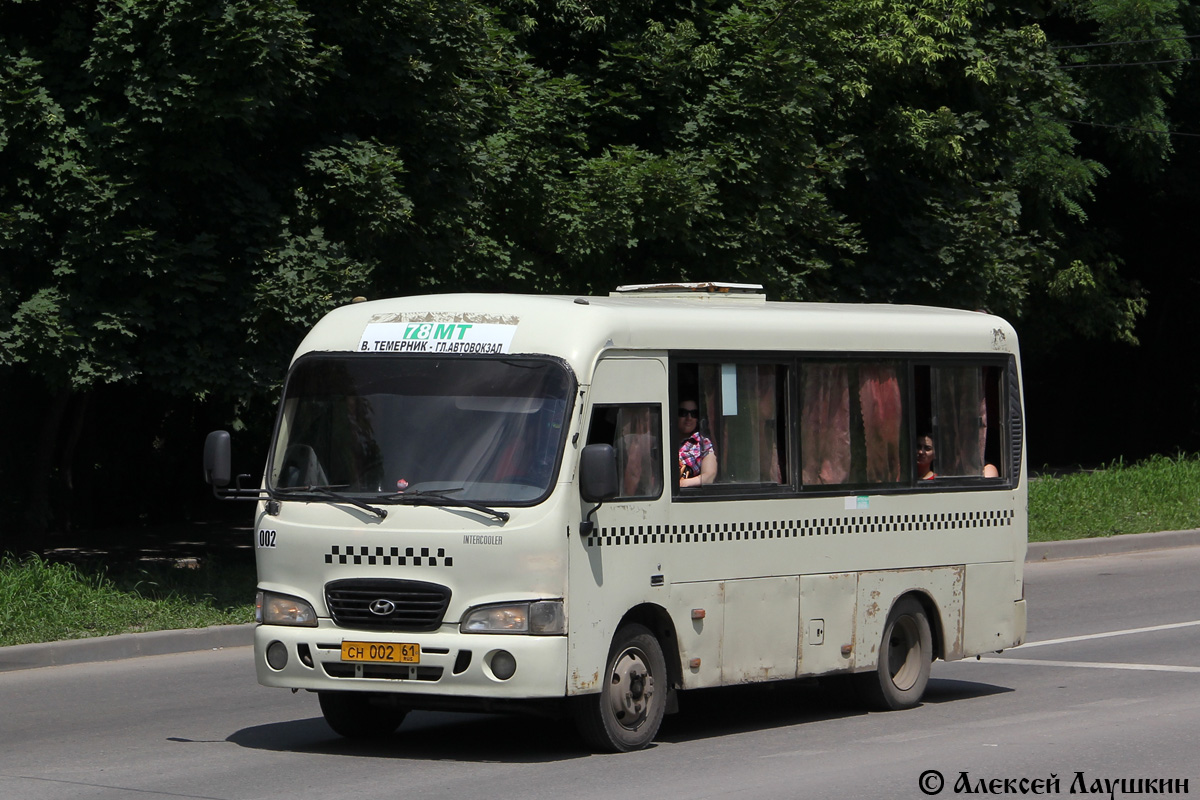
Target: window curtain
(742, 420)
(637, 452)
(960, 420)
(879, 399)
(825, 423)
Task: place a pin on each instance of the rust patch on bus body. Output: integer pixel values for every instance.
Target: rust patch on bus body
(954, 650)
(872, 610)
(585, 685)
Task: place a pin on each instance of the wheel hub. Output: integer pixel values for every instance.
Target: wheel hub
(632, 687)
(904, 652)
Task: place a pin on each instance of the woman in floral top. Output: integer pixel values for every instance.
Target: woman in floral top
(697, 461)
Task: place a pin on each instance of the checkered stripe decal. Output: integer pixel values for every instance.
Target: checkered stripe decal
(416, 557)
(794, 529)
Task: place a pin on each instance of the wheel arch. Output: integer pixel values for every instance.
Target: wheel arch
(656, 619)
(932, 614)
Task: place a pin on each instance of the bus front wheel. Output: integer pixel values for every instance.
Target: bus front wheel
(905, 655)
(356, 716)
(625, 715)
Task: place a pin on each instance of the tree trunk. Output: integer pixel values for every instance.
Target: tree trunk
(66, 499)
(38, 513)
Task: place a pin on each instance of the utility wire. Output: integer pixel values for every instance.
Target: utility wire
(1126, 128)
(1130, 63)
(1136, 41)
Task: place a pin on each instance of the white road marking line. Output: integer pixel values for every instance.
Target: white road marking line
(1126, 632)
(1087, 664)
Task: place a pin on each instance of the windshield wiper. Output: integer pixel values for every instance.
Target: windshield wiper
(437, 497)
(327, 491)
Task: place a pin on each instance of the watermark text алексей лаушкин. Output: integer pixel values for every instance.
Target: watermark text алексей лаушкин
(931, 782)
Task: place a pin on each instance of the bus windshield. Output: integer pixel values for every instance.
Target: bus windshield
(483, 429)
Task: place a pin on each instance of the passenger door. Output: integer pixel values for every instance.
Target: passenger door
(619, 564)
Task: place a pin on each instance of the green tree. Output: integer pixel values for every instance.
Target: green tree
(1126, 59)
(887, 150)
(186, 185)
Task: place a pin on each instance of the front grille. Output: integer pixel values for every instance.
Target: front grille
(390, 672)
(415, 605)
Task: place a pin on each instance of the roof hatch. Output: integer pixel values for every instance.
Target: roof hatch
(693, 289)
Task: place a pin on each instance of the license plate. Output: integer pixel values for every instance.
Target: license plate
(382, 652)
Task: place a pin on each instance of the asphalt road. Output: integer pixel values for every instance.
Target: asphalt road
(1108, 689)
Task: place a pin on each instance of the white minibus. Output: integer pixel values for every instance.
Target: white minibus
(592, 505)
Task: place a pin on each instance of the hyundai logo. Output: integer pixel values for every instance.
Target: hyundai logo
(381, 607)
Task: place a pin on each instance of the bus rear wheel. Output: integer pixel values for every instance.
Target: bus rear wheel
(905, 656)
(356, 715)
(627, 712)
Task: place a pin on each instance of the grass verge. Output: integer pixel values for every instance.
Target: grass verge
(45, 601)
(1159, 494)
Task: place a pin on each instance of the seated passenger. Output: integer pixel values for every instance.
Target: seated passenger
(697, 460)
(925, 458)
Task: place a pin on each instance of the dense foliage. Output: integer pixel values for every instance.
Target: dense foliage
(185, 185)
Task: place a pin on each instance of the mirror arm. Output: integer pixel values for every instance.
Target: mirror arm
(587, 526)
(240, 492)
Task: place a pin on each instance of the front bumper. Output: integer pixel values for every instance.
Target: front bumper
(452, 664)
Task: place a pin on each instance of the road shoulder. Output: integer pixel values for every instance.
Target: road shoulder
(125, 645)
(1109, 545)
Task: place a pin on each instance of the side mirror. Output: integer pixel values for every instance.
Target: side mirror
(217, 458)
(598, 473)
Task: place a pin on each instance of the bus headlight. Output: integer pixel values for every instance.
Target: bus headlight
(282, 609)
(541, 618)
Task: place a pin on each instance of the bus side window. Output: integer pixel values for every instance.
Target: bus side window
(959, 407)
(852, 423)
(635, 432)
(743, 412)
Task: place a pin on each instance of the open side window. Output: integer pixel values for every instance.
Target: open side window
(741, 419)
(960, 412)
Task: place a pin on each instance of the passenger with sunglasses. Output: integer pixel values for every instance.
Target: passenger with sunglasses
(697, 461)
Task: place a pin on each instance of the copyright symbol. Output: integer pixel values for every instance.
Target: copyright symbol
(931, 781)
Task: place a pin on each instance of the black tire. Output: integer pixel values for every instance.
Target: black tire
(905, 655)
(627, 712)
(356, 716)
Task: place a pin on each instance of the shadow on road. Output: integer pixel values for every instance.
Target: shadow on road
(509, 739)
(947, 691)
(429, 736)
(742, 709)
